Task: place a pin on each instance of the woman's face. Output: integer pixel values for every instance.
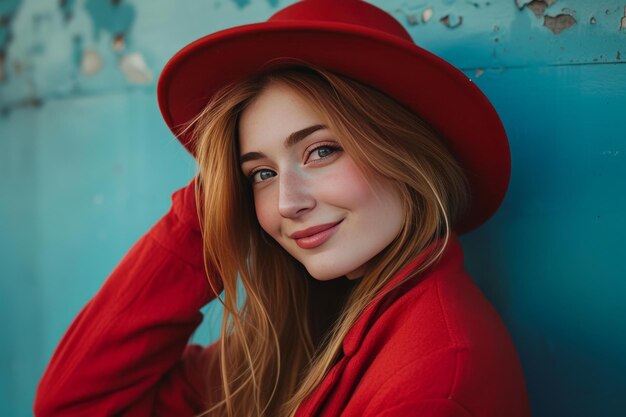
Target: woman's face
(308, 193)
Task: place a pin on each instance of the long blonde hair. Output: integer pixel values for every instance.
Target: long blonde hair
(266, 357)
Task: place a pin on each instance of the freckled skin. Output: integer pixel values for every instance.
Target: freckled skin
(307, 185)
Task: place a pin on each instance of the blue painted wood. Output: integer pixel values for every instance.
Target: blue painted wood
(87, 165)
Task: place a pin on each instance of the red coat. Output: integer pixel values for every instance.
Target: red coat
(437, 348)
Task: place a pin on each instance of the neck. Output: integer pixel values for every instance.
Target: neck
(326, 299)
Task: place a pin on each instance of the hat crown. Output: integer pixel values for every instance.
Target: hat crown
(355, 12)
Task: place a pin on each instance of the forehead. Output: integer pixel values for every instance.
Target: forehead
(271, 116)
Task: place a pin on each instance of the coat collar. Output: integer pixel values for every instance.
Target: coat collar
(451, 258)
(453, 254)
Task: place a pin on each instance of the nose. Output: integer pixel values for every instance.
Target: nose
(294, 194)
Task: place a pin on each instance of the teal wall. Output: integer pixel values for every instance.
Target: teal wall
(87, 165)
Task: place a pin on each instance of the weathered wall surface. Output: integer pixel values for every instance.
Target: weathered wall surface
(87, 165)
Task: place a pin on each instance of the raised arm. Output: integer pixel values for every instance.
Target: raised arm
(126, 353)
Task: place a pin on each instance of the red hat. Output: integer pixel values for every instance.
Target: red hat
(358, 40)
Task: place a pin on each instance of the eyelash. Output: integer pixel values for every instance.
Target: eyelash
(333, 147)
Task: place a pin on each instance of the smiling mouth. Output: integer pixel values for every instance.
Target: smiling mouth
(315, 236)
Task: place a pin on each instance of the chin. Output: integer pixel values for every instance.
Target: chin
(327, 274)
(323, 275)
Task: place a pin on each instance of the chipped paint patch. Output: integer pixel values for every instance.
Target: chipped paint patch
(135, 69)
(411, 19)
(592, 21)
(479, 72)
(622, 24)
(119, 42)
(526, 3)
(537, 7)
(559, 23)
(415, 18)
(447, 22)
(427, 14)
(91, 62)
(113, 17)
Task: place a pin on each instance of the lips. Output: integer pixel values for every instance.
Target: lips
(316, 235)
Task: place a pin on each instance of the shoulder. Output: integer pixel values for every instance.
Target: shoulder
(443, 340)
(443, 311)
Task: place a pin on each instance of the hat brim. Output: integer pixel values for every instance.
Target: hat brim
(426, 84)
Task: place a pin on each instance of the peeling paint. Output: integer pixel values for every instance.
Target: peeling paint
(411, 19)
(558, 24)
(622, 24)
(135, 69)
(414, 19)
(526, 3)
(446, 22)
(427, 14)
(91, 62)
(537, 7)
(119, 42)
(118, 33)
(116, 18)
(479, 72)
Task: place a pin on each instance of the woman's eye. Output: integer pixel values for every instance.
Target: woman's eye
(262, 175)
(322, 152)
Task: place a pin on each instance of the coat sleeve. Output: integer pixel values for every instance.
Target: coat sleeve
(126, 353)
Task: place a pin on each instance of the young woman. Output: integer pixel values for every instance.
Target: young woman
(332, 192)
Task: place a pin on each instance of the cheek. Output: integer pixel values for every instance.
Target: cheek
(267, 214)
(348, 187)
(373, 201)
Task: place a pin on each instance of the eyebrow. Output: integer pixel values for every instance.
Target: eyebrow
(291, 140)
